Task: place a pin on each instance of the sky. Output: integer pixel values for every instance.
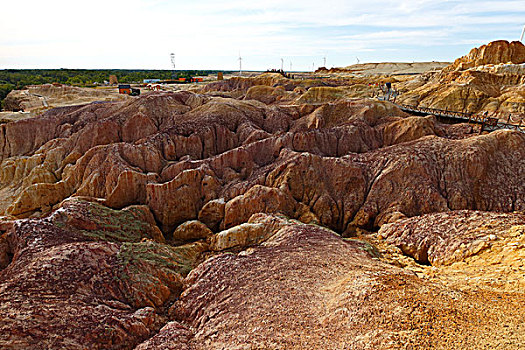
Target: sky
(211, 34)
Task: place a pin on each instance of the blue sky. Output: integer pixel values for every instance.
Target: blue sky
(206, 34)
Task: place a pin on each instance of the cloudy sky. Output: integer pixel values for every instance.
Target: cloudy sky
(210, 34)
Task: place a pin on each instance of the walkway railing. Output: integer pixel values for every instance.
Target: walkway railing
(488, 123)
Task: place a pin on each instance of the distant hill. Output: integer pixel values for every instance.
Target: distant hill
(388, 68)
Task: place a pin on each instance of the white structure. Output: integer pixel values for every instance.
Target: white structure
(172, 56)
(282, 64)
(324, 61)
(522, 32)
(240, 64)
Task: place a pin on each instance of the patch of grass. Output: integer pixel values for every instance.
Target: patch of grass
(108, 224)
(116, 225)
(159, 256)
(367, 247)
(146, 266)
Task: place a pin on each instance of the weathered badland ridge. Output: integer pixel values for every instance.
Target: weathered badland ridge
(496, 52)
(263, 213)
(489, 78)
(162, 147)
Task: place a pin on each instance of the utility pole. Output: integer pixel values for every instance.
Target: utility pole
(282, 64)
(522, 33)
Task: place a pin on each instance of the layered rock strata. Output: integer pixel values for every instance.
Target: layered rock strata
(192, 221)
(489, 79)
(88, 276)
(345, 165)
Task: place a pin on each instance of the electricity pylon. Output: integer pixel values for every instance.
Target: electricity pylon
(173, 74)
(240, 64)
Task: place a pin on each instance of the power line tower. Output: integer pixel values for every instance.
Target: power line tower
(324, 61)
(173, 74)
(240, 64)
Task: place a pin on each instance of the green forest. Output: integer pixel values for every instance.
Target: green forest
(16, 79)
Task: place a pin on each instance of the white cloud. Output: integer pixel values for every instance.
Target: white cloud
(209, 34)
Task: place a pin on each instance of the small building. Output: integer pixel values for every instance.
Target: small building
(150, 81)
(124, 89)
(154, 87)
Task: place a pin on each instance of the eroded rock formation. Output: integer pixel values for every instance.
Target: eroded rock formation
(445, 238)
(305, 287)
(36, 98)
(496, 52)
(89, 276)
(489, 78)
(183, 220)
(177, 152)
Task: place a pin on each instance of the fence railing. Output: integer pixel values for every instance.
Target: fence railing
(488, 123)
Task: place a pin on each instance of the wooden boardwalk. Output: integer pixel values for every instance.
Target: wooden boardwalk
(487, 123)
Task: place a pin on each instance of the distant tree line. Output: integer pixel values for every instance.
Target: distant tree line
(16, 79)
